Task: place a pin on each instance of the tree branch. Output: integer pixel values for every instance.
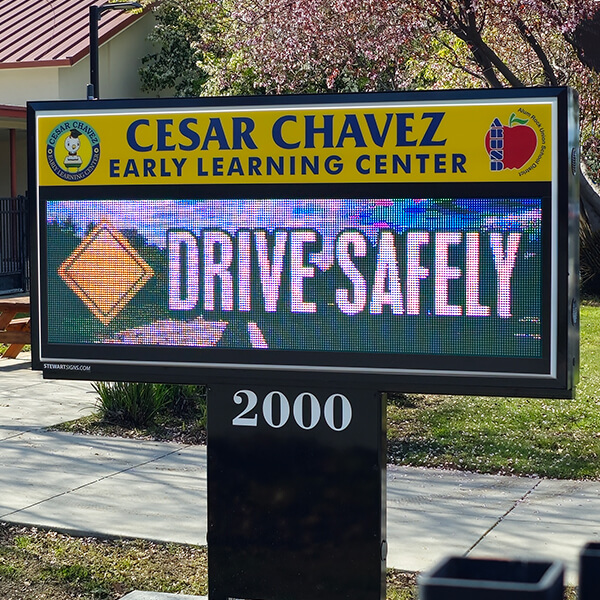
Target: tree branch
(498, 63)
(465, 27)
(526, 34)
(457, 63)
(487, 58)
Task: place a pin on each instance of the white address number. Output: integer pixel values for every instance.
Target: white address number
(306, 409)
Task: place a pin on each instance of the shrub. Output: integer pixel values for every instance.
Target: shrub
(139, 404)
(187, 401)
(130, 404)
(590, 258)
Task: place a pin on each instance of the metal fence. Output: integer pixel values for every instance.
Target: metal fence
(14, 245)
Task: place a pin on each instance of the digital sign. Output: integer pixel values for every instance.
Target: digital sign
(411, 242)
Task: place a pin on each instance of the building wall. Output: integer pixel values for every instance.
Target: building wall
(119, 61)
(5, 162)
(17, 86)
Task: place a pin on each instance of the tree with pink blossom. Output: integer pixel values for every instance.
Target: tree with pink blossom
(326, 46)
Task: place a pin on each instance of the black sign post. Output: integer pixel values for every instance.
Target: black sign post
(296, 493)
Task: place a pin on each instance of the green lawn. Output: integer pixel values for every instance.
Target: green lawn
(37, 564)
(550, 438)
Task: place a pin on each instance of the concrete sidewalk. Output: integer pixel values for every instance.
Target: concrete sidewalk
(119, 487)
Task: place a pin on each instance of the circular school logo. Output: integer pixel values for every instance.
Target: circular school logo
(512, 146)
(73, 150)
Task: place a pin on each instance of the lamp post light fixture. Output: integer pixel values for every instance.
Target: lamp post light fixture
(93, 88)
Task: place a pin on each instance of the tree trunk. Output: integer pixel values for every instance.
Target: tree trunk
(590, 200)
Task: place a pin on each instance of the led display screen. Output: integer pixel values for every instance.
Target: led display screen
(443, 276)
(372, 239)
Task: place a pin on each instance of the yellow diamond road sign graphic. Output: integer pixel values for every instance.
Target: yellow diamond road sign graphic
(105, 271)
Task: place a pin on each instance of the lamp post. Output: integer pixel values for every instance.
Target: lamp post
(93, 88)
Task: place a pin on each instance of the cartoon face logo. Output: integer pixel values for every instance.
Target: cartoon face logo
(510, 146)
(72, 145)
(73, 150)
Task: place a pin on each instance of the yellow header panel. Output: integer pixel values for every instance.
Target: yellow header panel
(356, 143)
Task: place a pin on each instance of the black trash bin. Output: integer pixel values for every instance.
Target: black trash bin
(589, 572)
(459, 578)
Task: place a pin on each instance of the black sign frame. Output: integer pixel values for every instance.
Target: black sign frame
(552, 375)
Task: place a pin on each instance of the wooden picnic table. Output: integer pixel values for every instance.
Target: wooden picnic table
(14, 331)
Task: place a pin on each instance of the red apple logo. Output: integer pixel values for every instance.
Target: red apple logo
(510, 147)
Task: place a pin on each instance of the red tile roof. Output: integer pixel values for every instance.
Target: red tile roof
(39, 33)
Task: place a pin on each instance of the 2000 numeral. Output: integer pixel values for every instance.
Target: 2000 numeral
(306, 410)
